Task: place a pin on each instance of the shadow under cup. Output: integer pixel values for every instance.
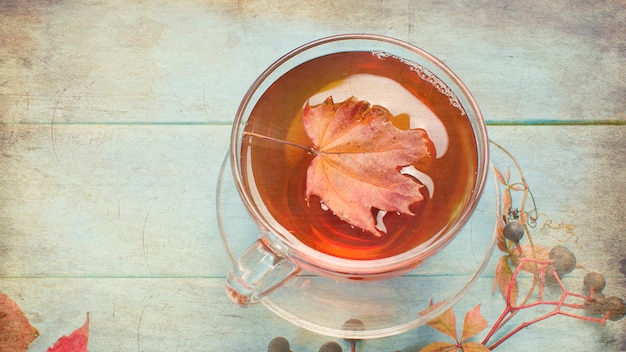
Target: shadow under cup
(299, 236)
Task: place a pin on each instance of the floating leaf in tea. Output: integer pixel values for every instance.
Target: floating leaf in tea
(358, 157)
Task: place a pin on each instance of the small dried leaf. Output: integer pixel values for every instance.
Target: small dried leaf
(474, 347)
(431, 306)
(503, 278)
(473, 323)
(16, 333)
(76, 342)
(502, 263)
(439, 347)
(499, 176)
(507, 203)
(502, 246)
(446, 323)
(358, 155)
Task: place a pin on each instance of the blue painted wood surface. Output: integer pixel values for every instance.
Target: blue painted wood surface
(115, 117)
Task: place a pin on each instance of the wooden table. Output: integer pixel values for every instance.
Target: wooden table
(115, 117)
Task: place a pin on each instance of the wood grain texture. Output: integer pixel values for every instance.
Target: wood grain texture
(115, 118)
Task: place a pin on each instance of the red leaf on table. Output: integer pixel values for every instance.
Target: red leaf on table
(358, 156)
(76, 342)
(16, 333)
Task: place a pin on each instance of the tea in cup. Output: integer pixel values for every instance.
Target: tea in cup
(358, 157)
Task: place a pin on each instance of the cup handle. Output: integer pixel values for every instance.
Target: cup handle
(257, 273)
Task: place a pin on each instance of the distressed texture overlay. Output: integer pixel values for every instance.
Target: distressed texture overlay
(115, 117)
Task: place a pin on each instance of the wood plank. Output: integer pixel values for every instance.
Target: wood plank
(137, 200)
(128, 62)
(110, 200)
(195, 315)
(114, 119)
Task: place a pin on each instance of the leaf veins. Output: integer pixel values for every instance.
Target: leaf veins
(357, 157)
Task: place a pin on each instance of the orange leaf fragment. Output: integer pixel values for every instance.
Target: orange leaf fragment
(499, 176)
(503, 278)
(507, 202)
(75, 342)
(502, 245)
(474, 347)
(16, 333)
(439, 347)
(473, 323)
(431, 307)
(446, 323)
(358, 157)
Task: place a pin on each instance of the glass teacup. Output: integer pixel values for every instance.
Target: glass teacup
(407, 93)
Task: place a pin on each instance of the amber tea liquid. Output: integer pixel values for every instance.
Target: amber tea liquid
(276, 172)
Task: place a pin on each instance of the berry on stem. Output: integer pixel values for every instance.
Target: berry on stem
(513, 231)
(279, 344)
(564, 260)
(330, 346)
(353, 325)
(594, 281)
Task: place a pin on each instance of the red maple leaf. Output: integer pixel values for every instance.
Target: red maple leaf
(358, 157)
(75, 342)
(16, 333)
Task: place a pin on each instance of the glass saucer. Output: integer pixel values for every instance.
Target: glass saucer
(385, 307)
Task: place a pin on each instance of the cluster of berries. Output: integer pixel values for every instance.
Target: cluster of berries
(281, 344)
(564, 262)
(598, 304)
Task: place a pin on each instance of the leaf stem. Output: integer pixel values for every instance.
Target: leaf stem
(527, 222)
(310, 150)
(519, 170)
(555, 312)
(521, 327)
(511, 309)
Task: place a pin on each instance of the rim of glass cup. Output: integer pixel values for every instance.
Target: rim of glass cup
(346, 267)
